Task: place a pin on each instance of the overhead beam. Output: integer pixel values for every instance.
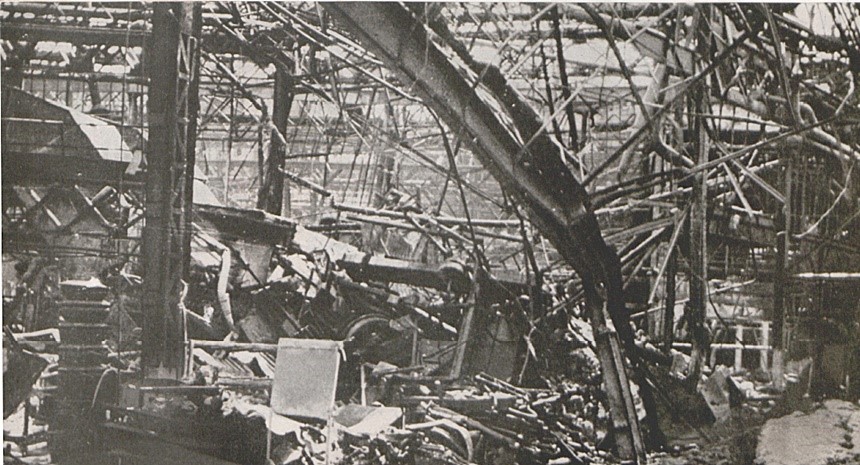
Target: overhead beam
(15, 31)
(79, 10)
(73, 34)
(367, 267)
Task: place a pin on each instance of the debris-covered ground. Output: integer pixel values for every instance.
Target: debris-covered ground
(390, 410)
(397, 398)
(445, 233)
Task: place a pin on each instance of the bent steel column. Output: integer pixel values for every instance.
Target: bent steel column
(556, 202)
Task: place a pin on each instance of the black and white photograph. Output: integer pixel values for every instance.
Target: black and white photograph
(430, 233)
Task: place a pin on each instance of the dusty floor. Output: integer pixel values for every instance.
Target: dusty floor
(827, 435)
(821, 434)
(732, 442)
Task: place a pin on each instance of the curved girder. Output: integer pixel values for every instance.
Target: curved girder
(534, 174)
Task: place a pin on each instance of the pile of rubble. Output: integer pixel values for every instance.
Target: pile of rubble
(419, 419)
(440, 363)
(413, 388)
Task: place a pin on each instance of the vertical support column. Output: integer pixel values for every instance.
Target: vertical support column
(384, 173)
(93, 87)
(669, 304)
(817, 381)
(765, 343)
(17, 61)
(172, 58)
(698, 271)
(464, 332)
(739, 348)
(231, 130)
(275, 194)
(781, 281)
(193, 111)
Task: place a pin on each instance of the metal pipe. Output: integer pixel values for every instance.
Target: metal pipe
(234, 346)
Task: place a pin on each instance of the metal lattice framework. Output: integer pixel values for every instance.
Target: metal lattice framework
(170, 160)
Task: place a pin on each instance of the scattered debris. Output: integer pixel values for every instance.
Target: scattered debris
(485, 233)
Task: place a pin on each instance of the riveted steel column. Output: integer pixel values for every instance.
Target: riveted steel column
(172, 62)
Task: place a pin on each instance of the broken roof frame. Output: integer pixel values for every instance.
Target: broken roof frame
(740, 173)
